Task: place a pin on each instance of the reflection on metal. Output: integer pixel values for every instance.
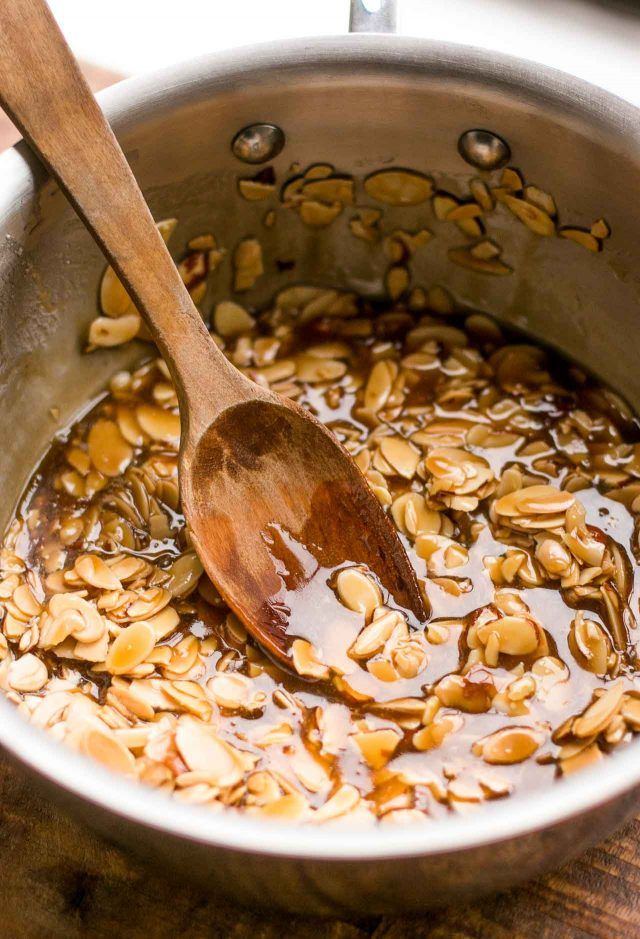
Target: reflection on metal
(372, 16)
(258, 143)
(483, 149)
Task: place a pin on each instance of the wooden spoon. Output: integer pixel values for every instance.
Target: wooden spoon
(261, 479)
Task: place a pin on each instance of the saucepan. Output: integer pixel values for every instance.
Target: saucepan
(361, 103)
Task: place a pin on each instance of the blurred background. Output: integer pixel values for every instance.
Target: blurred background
(596, 40)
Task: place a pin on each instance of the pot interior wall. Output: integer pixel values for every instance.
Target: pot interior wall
(360, 116)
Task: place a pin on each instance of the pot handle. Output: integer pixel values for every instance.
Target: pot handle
(372, 16)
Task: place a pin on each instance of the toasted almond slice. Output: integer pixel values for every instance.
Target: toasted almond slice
(319, 170)
(104, 746)
(248, 265)
(435, 733)
(374, 636)
(587, 757)
(379, 384)
(471, 693)
(509, 745)
(71, 614)
(512, 179)
(443, 203)
(398, 187)
(581, 237)
(231, 690)
(93, 570)
(464, 258)
(114, 299)
(630, 710)
(317, 214)
(254, 191)
(410, 657)
(204, 751)
(598, 715)
(485, 250)
(109, 451)
(357, 591)
(25, 601)
(457, 471)
(534, 500)
(308, 770)
(158, 423)
(377, 746)
(312, 369)
(532, 216)
(401, 455)
(130, 648)
(541, 199)
(230, 319)
(516, 635)
(148, 602)
(344, 800)
(107, 333)
(27, 673)
(163, 623)
(397, 280)
(292, 807)
(330, 189)
(600, 229)
(590, 645)
(306, 660)
(468, 210)
(185, 574)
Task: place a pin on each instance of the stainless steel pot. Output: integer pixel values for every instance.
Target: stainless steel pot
(358, 102)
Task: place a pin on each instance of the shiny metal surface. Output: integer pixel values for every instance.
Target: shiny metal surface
(373, 16)
(570, 138)
(483, 149)
(258, 143)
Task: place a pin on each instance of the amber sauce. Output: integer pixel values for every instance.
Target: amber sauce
(314, 611)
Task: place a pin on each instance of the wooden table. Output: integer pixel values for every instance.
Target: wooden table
(60, 881)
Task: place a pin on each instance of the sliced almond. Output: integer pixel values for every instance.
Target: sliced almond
(93, 570)
(357, 591)
(158, 423)
(581, 237)
(515, 635)
(109, 451)
(104, 746)
(373, 637)
(535, 500)
(27, 673)
(398, 187)
(600, 713)
(306, 660)
(509, 745)
(531, 215)
(230, 319)
(205, 752)
(130, 648)
(377, 746)
(463, 257)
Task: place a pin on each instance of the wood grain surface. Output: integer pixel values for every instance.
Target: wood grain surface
(58, 880)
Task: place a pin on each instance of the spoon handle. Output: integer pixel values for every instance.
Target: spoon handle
(44, 92)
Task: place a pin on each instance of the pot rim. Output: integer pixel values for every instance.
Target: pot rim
(126, 104)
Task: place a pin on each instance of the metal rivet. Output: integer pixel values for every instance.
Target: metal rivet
(483, 149)
(258, 143)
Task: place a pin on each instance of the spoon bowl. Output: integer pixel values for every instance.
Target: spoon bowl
(267, 485)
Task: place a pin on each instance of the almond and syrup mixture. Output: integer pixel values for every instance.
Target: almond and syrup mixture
(514, 482)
